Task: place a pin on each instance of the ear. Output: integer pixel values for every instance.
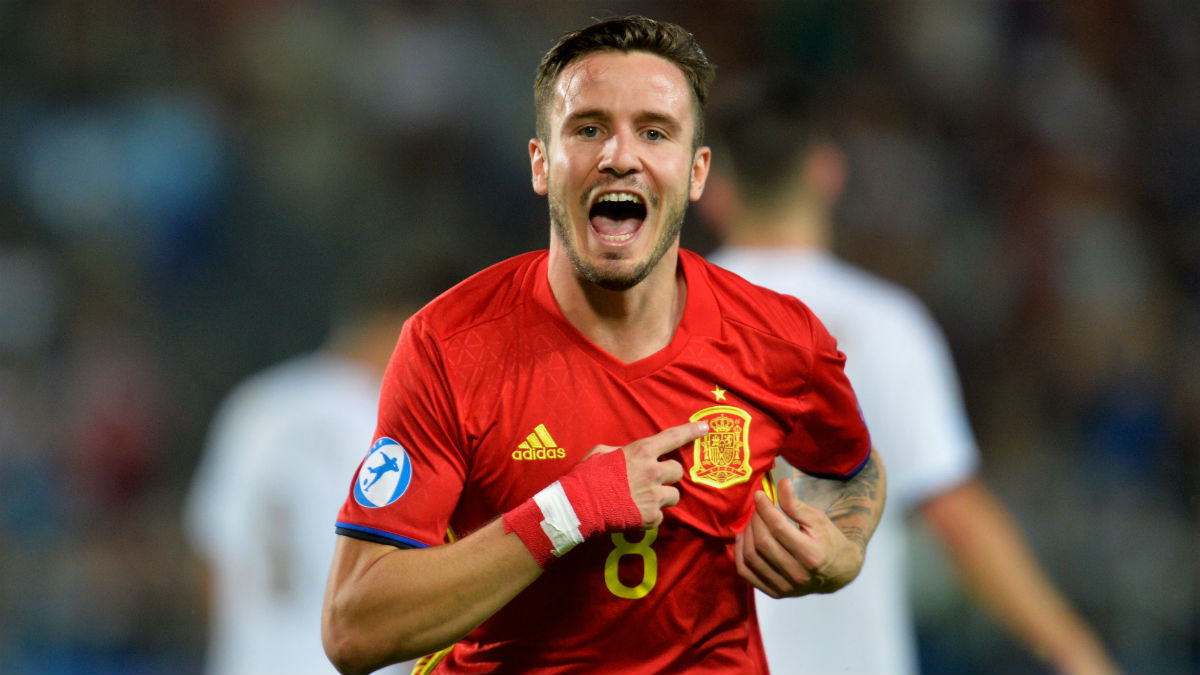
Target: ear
(537, 166)
(700, 163)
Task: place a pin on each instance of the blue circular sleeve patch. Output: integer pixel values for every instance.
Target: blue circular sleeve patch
(384, 476)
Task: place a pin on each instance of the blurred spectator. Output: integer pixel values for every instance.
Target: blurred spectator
(262, 505)
(92, 570)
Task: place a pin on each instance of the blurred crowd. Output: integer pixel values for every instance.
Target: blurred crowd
(182, 184)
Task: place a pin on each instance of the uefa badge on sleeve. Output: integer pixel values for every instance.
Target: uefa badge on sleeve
(384, 476)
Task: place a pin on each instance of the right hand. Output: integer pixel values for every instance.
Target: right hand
(650, 476)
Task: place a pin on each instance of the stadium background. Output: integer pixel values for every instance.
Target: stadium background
(182, 185)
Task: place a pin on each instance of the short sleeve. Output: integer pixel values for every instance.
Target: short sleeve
(409, 483)
(922, 426)
(830, 438)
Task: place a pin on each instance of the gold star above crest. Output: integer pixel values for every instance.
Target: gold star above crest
(718, 393)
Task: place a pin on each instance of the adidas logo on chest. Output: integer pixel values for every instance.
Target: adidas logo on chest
(538, 445)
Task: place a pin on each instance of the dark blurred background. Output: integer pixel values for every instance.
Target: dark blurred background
(183, 184)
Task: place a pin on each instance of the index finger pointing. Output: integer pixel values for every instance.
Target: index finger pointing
(673, 437)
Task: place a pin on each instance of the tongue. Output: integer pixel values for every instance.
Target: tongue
(615, 226)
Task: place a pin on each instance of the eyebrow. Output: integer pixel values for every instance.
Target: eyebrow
(583, 116)
(661, 119)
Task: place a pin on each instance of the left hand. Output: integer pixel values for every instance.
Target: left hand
(783, 559)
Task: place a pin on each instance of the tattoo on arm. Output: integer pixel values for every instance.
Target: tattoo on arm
(853, 505)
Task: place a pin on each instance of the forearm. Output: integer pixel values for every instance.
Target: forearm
(823, 545)
(385, 605)
(854, 505)
(998, 568)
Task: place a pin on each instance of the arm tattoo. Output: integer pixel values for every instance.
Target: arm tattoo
(853, 505)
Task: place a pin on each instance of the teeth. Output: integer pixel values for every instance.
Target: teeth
(615, 238)
(619, 197)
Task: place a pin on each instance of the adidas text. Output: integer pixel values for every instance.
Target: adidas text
(540, 453)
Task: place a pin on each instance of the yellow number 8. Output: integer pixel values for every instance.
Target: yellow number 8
(623, 548)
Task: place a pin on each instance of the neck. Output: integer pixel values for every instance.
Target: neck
(369, 343)
(796, 228)
(631, 324)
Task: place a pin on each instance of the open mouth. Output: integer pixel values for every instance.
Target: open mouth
(617, 216)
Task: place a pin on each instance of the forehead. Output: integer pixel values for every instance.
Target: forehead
(615, 82)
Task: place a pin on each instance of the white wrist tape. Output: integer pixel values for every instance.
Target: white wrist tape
(559, 521)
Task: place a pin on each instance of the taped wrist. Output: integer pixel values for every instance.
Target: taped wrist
(591, 498)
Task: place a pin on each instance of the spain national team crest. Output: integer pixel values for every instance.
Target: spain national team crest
(722, 456)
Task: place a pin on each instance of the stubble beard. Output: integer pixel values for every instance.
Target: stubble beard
(611, 277)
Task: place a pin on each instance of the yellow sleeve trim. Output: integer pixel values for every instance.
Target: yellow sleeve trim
(427, 663)
(768, 482)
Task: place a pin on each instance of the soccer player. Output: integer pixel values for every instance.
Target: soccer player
(780, 182)
(258, 510)
(582, 434)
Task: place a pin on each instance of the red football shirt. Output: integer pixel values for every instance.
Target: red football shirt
(492, 395)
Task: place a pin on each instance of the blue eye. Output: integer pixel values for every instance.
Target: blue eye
(654, 135)
(589, 132)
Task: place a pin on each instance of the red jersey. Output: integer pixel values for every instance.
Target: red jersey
(492, 395)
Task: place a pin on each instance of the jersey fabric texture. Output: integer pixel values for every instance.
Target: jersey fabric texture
(492, 395)
(258, 510)
(904, 377)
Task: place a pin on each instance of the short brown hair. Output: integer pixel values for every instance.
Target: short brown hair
(627, 34)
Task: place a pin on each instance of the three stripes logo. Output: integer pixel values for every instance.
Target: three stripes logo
(539, 445)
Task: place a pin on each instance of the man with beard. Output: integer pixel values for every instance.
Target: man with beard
(584, 435)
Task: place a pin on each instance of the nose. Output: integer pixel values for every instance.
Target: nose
(619, 156)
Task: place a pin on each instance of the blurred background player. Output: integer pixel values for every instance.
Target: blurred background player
(259, 508)
(771, 198)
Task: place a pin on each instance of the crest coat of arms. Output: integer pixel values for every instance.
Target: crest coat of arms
(721, 457)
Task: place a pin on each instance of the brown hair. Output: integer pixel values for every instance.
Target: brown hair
(631, 33)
